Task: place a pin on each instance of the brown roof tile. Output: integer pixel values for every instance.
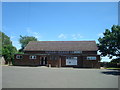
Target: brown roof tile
(61, 46)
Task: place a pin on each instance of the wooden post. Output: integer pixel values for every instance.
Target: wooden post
(59, 61)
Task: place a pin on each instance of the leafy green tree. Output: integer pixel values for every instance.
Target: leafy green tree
(109, 44)
(7, 49)
(4, 40)
(8, 53)
(24, 40)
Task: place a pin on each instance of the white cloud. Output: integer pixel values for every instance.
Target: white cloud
(15, 41)
(100, 34)
(12, 37)
(33, 33)
(62, 36)
(73, 36)
(16, 44)
(77, 36)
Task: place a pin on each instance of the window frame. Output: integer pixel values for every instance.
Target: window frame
(35, 57)
(20, 57)
(91, 58)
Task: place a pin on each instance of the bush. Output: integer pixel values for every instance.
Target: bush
(110, 64)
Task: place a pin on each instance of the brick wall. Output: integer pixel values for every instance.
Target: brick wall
(60, 61)
(26, 61)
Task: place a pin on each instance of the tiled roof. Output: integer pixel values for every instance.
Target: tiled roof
(61, 46)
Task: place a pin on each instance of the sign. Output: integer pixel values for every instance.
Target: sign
(71, 61)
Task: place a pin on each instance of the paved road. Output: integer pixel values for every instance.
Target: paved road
(43, 77)
(0, 77)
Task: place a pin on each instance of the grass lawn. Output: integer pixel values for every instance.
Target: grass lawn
(113, 68)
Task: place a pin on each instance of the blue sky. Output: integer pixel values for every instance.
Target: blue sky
(62, 21)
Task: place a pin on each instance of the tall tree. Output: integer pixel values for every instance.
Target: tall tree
(5, 39)
(109, 44)
(24, 40)
(8, 52)
(7, 49)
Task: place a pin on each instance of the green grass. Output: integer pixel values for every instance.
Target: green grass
(112, 68)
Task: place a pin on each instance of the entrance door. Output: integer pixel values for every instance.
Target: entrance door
(43, 61)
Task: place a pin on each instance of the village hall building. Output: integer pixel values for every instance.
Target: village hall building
(82, 54)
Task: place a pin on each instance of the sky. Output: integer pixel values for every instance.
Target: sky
(58, 21)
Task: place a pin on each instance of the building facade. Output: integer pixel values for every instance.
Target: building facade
(81, 54)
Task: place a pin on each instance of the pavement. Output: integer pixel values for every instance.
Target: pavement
(0, 77)
(44, 77)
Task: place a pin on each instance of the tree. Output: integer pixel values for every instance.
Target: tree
(24, 40)
(109, 44)
(4, 40)
(8, 52)
(7, 49)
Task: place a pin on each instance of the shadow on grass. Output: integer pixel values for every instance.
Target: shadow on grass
(112, 72)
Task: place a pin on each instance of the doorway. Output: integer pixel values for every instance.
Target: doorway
(43, 61)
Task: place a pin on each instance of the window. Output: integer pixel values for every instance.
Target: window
(91, 58)
(19, 56)
(32, 57)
